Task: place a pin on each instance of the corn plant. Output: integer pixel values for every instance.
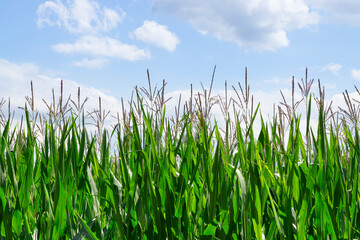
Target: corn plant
(191, 184)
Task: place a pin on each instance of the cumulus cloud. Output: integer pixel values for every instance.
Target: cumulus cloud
(260, 24)
(79, 16)
(103, 46)
(332, 67)
(90, 21)
(157, 34)
(337, 11)
(277, 80)
(15, 84)
(355, 73)
(96, 63)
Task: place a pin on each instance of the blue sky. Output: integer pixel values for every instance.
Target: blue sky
(106, 46)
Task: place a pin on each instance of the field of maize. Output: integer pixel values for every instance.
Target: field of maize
(151, 176)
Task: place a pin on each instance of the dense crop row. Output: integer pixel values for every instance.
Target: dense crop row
(191, 184)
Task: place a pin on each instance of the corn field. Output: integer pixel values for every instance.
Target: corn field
(152, 176)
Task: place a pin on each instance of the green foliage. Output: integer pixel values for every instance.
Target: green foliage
(187, 186)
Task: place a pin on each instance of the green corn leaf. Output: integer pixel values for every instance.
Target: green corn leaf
(60, 214)
(86, 229)
(210, 230)
(277, 218)
(17, 223)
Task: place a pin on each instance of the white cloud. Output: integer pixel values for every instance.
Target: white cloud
(15, 83)
(260, 24)
(332, 67)
(102, 46)
(277, 80)
(96, 63)
(355, 73)
(155, 33)
(338, 11)
(330, 85)
(79, 16)
(87, 18)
